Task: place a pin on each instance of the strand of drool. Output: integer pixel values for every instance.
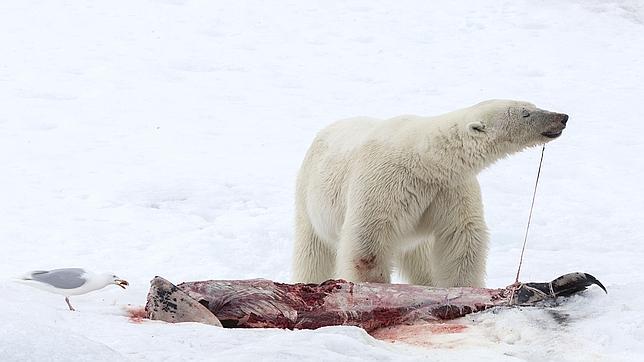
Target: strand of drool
(534, 194)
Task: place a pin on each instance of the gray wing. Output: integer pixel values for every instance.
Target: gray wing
(68, 278)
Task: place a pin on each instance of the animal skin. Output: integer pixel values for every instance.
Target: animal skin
(260, 303)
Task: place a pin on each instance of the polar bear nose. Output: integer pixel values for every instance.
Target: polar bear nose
(564, 119)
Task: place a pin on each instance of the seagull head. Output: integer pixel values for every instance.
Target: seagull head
(118, 281)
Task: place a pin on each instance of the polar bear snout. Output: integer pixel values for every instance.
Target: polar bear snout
(556, 122)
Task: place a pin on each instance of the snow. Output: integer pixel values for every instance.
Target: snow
(152, 138)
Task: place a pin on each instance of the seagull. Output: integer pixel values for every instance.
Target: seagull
(70, 281)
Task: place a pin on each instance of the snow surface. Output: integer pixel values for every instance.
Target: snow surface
(152, 138)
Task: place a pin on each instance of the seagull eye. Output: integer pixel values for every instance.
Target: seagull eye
(525, 113)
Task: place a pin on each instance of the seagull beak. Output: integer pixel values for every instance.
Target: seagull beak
(121, 283)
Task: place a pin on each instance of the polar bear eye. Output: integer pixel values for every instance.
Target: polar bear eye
(525, 113)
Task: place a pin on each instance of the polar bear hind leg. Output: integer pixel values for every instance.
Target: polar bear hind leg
(313, 260)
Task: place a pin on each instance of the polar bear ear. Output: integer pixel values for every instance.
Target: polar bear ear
(476, 126)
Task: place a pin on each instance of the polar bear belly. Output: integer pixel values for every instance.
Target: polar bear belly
(326, 224)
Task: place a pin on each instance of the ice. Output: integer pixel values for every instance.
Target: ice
(163, 138)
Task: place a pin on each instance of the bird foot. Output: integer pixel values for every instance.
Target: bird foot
(69, 304)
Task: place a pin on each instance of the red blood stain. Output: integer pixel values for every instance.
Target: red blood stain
(136, 314)
(419, 334)
(367, 263)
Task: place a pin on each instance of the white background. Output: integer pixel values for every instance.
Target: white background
(152, 138)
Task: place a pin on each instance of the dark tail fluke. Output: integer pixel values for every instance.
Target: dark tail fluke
(564, 286)
(572, 283)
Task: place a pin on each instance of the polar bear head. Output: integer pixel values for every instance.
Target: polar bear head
(510, 126)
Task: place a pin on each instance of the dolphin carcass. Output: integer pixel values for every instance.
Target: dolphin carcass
(260, 303)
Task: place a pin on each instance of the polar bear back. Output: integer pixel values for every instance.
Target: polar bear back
(337, 154)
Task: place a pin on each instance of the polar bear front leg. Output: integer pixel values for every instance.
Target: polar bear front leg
(363, 256)
(415, 265)
(383, 209)
(459, 253)
(363, 260)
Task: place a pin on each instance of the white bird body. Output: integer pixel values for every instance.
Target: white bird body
(70, 281)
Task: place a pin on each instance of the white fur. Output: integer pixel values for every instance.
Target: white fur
(372, 193)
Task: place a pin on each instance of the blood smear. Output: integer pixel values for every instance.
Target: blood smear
(416, 334)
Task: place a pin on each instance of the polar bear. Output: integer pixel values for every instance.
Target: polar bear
(372, 194)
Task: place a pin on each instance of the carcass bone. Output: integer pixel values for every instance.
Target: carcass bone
(260, 303)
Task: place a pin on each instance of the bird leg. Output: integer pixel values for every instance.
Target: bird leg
(70, 306)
